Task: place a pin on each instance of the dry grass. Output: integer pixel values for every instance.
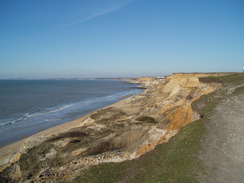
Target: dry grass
(239, 90)
(107, 115)
(101, 112)
(127, 140)
(100, 147)
(172, 162)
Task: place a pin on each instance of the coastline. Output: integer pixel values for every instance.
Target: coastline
(7, 152)
(124, 130)
(43, 111)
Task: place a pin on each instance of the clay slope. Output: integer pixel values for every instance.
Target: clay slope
(122, 131)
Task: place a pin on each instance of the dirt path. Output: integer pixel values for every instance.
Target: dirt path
(223, 146)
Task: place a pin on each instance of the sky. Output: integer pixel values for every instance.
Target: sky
(119, 38)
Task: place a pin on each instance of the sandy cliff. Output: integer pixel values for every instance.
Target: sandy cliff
(122, 131)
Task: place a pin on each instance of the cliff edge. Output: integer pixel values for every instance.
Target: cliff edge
(122, 131)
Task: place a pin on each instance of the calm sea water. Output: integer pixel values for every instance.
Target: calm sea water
(30, 106)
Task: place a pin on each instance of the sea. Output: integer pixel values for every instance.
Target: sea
(30, 106)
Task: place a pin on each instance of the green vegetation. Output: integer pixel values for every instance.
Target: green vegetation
(146, 119)
(125, 140)
(101, 147)
(169, 162)
(238, 77)
(207, 103)
(210, 80)
(30, 163)
(35, 159)
(239, 90)
(100, 113)
(107, 115)
(67, 135)
(172, 162)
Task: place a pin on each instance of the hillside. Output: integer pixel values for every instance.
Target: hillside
(150, 137)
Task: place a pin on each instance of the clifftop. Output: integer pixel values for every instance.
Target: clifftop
(122, 131)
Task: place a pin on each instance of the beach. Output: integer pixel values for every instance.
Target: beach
(30, 106)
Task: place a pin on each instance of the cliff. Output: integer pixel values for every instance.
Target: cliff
(122, 131)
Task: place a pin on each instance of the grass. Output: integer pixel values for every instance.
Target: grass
(210, 80)
(30, 163)
(239, 90)
(100, 147)
(233, 78)
(146, 119)
(107, 115)
(172, 162)
(208, 102)
(169, 162)
(101, 112)
(108, 111)
(125, 140)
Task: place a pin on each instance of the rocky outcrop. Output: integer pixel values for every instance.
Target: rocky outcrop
(122, 131)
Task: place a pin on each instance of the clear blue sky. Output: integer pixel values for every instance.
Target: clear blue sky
(108, 38)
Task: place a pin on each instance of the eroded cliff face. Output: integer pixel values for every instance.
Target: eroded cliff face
(122, 131)
(170, 104)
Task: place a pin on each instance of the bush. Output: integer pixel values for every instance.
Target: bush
(146, 119)
(210, 80)
(68, 135)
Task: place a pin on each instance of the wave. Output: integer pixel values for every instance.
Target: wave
(69, 109)
(12, 121)
(35, 114)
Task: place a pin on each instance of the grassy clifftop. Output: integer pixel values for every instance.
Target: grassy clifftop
(119, 132)
(170, 162)
(175, 161)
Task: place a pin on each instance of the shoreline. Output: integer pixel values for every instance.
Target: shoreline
(124, 130)
(6, 152)
(53, 129)
(12, 148)
(43, 116)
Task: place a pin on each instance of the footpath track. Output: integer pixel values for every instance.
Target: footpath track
(222, 151)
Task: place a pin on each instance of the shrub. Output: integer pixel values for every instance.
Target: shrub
(68, 135)
(210, 80)
(146, 119)
(126, 140)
